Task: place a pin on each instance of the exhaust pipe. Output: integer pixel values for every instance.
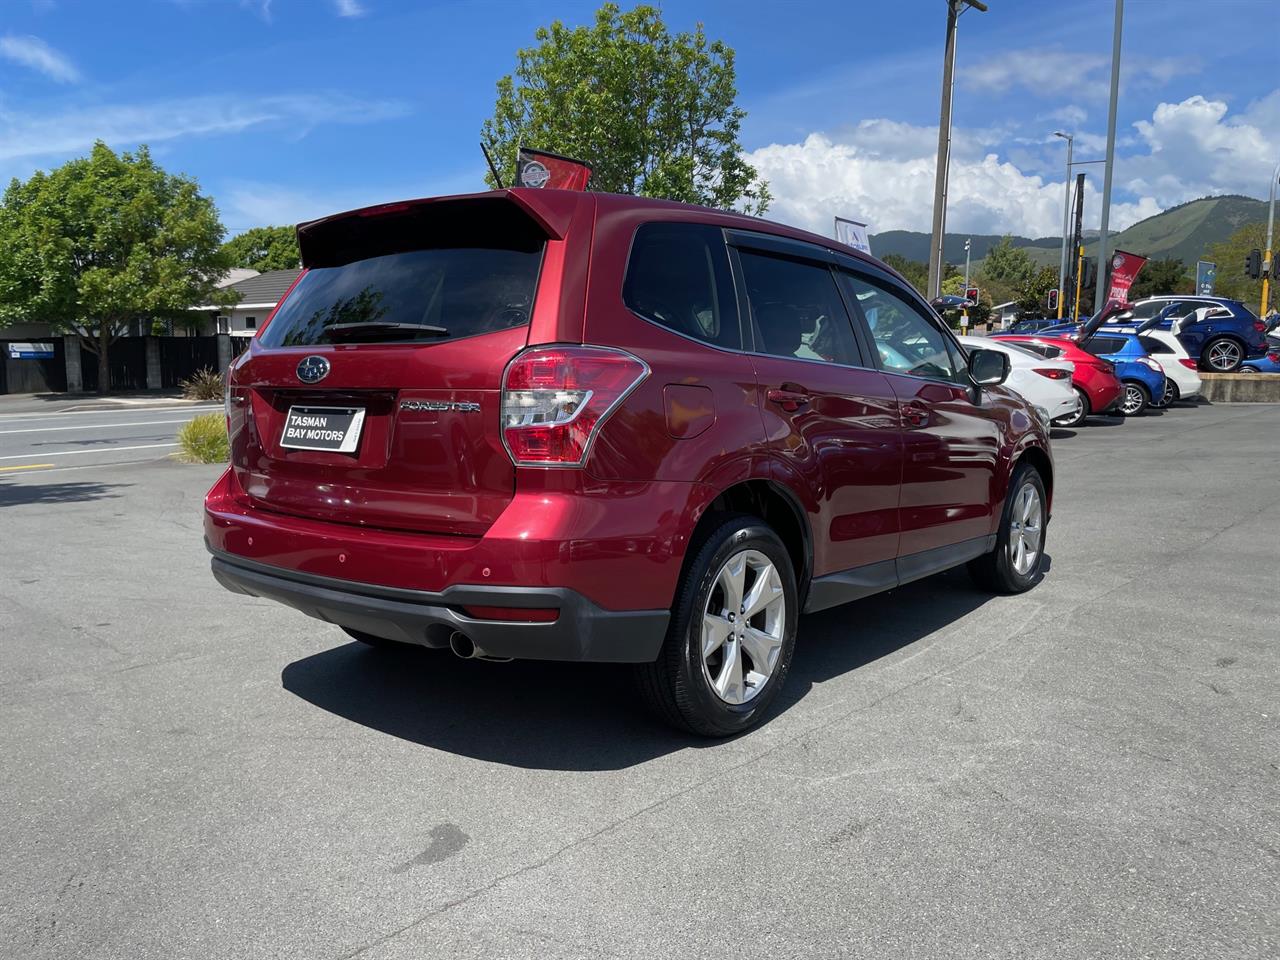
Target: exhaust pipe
(463, 647)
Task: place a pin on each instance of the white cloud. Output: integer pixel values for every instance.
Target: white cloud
(349, 8)
(1069, 116)
(49, 134)
(34, 53)
(1050, 72)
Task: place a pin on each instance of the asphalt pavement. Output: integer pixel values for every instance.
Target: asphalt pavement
(87, 433)
(1086, 770)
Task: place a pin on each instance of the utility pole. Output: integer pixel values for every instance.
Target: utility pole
(1100, 296)
(1066, 222)
(1269, 258)
(954, 9)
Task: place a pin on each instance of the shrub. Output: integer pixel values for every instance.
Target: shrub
(206, 384)
(204, 440)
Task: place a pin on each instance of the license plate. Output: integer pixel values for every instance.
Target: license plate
(323, 428)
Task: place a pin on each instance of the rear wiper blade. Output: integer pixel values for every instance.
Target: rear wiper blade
(377, 327)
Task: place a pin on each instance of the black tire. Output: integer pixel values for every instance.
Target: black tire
(676, 686)
(1135, 400)
(1209, 363)
(380, 643)
(1171, 395)
(995, 570)
(1080, 416)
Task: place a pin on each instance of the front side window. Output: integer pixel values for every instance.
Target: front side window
(796, 310)
(419, 295)
(678, 277)
(907, 341)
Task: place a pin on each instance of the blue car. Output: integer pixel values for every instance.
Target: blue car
(1031, 326)
(1269, 363)
(1142, 377)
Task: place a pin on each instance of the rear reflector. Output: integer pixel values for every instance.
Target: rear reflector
(518, 614)
(1187, 362)
(556, 399)
(1054, 373)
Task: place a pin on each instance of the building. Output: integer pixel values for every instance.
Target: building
(259, 294)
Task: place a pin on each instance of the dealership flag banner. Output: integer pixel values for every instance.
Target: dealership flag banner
(1206, 273)
(1124, 269)
(537, 168)
(853, 234)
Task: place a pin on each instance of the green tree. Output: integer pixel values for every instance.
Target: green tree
(105, 240)
(654, 113)
(1230, 255)
(264, 248)
(1008, 268)
(1160, 277)
(915, 272)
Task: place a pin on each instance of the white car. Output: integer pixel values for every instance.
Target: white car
(1181, 376)
(1043, 383)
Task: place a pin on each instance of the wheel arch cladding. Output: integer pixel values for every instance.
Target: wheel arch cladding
(1044, 466)
(776, 507)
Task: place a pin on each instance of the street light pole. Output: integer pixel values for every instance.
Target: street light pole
(954, 9)
(966, 268)
(1066, 220)
(1269, 261)
(1100, 291)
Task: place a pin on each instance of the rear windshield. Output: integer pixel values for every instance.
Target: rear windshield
(1042, 349)
(419, 295)
(1101, 346)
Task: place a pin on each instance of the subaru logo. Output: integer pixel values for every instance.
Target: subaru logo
(313, 369)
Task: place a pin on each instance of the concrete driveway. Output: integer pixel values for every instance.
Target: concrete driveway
(1087, 770)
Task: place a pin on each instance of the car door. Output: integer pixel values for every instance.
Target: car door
(830, 417)
(952, 431)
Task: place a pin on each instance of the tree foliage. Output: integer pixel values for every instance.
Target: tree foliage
(264, 248)
(915, 272)
(105, 240)
(1230, 255)
(653, 113)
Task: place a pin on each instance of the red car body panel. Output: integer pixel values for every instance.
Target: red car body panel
(1096, 377)
(878, 466)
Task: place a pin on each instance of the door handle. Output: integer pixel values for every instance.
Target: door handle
(915, 414)
(788, 400)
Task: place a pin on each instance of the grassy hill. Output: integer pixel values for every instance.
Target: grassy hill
(1184, 232)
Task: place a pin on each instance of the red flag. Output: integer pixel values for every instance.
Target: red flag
(1124, 269)
(537, 168)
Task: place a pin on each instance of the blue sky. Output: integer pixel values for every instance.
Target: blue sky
(289, 109)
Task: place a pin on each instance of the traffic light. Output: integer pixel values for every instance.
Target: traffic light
(971, 294)
(1253, 264)
(1090, 277)
(1053, 301)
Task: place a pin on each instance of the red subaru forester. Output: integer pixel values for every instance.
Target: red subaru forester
(561, 425)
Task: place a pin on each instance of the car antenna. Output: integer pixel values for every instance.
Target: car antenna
(497, 177)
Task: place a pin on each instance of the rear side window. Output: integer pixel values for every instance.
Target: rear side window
(797, 310)
(1101, 346)
(1152, 345)
(678, 277)
(435, 295)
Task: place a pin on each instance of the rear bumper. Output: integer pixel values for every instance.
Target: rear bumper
(582, 631)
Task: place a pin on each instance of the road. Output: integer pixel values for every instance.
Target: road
(1088, 770)
(77, 438)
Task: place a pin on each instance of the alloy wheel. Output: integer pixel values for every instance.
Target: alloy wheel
(742, 627)
(1132, 401)
(1224, 356)
(1170, 393)
(1025, 530)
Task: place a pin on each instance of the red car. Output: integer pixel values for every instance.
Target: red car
(576, 426)
(1094, 379)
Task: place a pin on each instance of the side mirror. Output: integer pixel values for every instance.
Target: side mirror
(988, 368)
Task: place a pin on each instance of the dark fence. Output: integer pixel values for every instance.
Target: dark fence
(127, 358)
(180, 357)
(26, 375)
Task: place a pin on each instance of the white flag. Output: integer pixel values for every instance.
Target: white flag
(853, 234)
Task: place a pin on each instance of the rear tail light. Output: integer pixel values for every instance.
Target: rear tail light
(1274, 356)
(1259, 326)
(1148, 362)
(1054, 373)
(1187, 362)
(556, 399)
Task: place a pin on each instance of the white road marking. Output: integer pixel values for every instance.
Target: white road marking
(74, 453)
(92, 426)
(63, 414)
